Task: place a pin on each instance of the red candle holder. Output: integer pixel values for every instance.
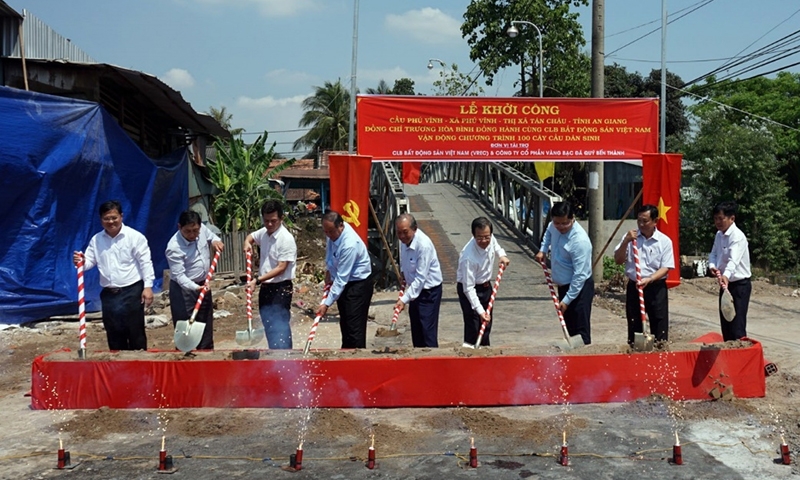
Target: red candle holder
(63, 458)
(473, 457)
(371, 458)
(564, 459)
(677, 455)
(785, 458)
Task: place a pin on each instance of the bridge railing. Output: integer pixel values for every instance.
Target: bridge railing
(520, 201)
(389, 200)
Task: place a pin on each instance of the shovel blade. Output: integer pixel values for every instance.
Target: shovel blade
(188, 335)
(643, 342)
(726, 306)
(248, 338)
(467, 345)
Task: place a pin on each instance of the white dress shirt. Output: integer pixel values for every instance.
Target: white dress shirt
(189, 262)
(655, 253)
(276, 248)
(420, 266)
(476, 267)
(347, 260)
(122, 260)
(730, 254)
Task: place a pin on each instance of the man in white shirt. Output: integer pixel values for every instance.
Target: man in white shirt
(655, 261)
(275, 274)
(730, 257)
(349, 274)
(189, 256)
(422, 275)
(475, 270)
(122, 257)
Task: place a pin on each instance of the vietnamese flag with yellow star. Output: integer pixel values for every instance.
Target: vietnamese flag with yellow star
(661, 186)
(350, 177)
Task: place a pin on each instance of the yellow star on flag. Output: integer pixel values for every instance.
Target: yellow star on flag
(663, 209)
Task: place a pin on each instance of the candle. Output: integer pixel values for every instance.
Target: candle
(61, 443)
(564, 437)
(163, 441)
(677, 442)
(783, 440)
(300, 447)
(372, 441)
(471, 442)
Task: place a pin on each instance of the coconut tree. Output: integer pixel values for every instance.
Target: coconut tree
(327, 113)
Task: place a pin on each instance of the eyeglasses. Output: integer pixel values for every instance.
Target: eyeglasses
(483, 237)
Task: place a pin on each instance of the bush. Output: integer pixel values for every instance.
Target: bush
(611, 269)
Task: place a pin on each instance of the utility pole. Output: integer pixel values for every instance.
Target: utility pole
(595, 169)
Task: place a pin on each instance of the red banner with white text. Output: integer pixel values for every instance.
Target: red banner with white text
(350, 177)
(416, 128)
(661, 186)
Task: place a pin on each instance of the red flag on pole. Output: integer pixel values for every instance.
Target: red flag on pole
(350, 177)
(661, 184)
(411, 172)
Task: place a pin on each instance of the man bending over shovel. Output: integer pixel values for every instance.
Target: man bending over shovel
(655, 262)
(189, 257)
(571, 262)
(275, 274)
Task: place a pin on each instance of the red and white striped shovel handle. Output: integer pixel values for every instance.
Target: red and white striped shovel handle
(249, 290)
(553, 294)
(81, 305)
(313, 332)
(396, 313)
(639, 283)
(491, 302)
(206, 286)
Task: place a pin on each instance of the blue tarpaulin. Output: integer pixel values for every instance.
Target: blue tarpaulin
(59, 160)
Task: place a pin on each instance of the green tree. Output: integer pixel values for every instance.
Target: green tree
(738, 161)
(619, 83)
(327, 112)
(382, 89)
(241, 174)
(224, 118)
(776, 99)
(566, 68)
(454, 83)
(403, 86)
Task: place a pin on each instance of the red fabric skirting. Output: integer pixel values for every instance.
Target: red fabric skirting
(396, 382)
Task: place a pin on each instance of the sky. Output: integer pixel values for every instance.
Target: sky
(261, 58)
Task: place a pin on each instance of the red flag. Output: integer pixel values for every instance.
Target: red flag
(411, 172)
(661, 186)
(350, 177)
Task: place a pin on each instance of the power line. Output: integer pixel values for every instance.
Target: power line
(653, 21)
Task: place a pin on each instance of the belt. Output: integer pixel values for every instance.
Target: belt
(112, 290)
(483, 285)
(276, 284)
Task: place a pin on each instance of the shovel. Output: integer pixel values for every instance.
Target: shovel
(396, 313)
(488, 308)
(574, 341)
(726, 302)
(188, 333)
(642, 342)
(313, 332)
(249, 337)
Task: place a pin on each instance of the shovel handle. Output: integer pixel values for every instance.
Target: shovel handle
(554, 295)
(313, 332)
(396, 313)
(206, 286)
(639, 288)
(491, 303)
(249, 290)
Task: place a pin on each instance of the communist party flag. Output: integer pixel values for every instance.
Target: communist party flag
(411, 172)
(661, 184)
(350, 177)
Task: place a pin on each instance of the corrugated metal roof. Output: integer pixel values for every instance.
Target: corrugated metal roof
(40, 40)
(7, 11)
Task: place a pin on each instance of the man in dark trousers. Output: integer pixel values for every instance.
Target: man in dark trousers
(571, 261)
(475, 270)
(349, 274)
(122, 257)
(189, 257)
(730, 258)
(655, 261)
(422, 275)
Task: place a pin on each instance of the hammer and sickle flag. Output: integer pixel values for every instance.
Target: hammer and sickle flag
(350, 177)
(661, 186)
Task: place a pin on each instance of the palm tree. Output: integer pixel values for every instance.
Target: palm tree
(327, 112)
(224, 118)
(382, 89)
